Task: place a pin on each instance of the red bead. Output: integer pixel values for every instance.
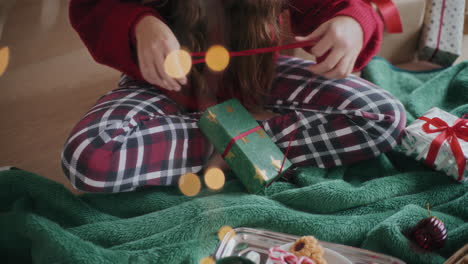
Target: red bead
(430, 233)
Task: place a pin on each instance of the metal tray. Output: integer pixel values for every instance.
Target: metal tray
(256, 242)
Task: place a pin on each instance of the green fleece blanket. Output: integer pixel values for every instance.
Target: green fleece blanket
(370, 205)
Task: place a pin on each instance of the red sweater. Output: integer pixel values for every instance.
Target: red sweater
(106, 28)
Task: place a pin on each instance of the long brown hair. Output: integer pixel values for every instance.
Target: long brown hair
(247, 24)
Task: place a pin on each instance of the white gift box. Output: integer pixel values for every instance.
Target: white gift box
(416, 143)
(442, 34)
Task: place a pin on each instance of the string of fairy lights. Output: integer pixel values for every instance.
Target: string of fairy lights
(178, 63)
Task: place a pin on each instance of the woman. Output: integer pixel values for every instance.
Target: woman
(145, 132)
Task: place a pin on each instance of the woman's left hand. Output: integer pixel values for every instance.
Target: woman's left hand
(342, 38)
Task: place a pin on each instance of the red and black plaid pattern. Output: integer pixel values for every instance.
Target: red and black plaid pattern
(136, 136)
(338, 121)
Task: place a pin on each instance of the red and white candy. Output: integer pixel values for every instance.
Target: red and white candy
(279, 256)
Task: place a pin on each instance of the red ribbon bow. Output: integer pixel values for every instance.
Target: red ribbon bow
(390, 15)
(450, 133)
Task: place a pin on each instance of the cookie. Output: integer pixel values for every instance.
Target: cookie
(308, 246)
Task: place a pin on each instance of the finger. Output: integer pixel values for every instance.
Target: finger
(170, 83)
(323, 46)
(144, 64)
(329, 63)
(352, 63)
(154, 68)
(176, 63)
(317, 33)
(154, 76)
(351, 66)
(148, 72)
(340, 71)
(183, 80)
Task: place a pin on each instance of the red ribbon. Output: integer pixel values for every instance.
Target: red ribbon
(439, 33)
(300, 44)
(390, 15)
(450, 133)
(234, 139)
(291, 137)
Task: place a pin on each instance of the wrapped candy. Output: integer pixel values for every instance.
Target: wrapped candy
(441, 140)
(279, 256)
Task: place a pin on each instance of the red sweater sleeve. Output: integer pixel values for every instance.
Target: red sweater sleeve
(106, 28)
(307, 15)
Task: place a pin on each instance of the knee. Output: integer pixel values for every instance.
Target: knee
(393, 125)
(399, 121)
(92, 161)
(85, 167)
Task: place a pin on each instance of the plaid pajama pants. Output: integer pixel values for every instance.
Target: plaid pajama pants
(136, 136)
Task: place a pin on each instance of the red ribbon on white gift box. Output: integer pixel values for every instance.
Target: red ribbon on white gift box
(459, 130)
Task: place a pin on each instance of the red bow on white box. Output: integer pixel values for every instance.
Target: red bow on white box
(459, 130)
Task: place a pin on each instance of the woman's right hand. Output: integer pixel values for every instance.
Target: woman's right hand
(154, 41)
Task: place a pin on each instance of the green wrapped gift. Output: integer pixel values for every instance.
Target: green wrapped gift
(245, 146)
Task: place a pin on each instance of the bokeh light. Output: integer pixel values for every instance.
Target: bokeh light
(217, 58)
(214, 178)
(207, 260)
(189, 184)
(4, 59)
(226, 230)
(178, 63)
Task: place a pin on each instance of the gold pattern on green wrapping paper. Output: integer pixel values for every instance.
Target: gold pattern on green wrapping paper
(230, 155)
(212, 117)
(261, 133)
(245, 140)
(229, 109)
(275, 163)
(260, 175)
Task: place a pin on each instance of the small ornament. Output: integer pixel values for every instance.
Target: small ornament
(430, 233)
